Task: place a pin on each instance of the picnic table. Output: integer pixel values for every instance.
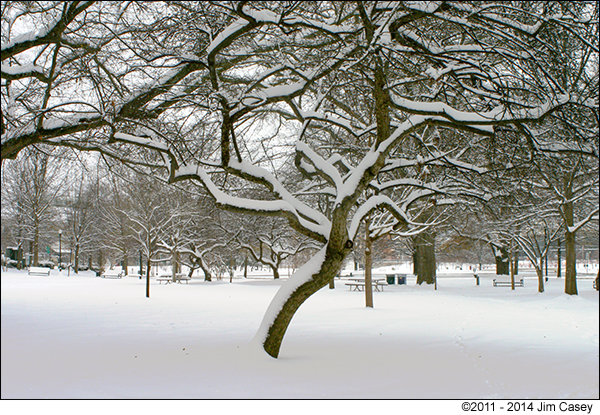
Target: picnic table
(358, 284)
(168, 278)
(39, 271)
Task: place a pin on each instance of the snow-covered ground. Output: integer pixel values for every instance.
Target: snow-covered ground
(88, 337)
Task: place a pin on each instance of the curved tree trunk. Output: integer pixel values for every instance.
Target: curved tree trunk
(307, 280)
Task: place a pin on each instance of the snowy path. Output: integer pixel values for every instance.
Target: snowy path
(86, 337)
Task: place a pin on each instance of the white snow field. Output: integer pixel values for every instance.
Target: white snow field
(88, 337)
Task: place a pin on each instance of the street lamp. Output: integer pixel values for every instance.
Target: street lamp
(59, 249)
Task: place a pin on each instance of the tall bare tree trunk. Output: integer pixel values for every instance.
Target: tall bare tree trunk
(175, 265)
(368, 265)
(558, 260)
(570, 255)
(425, 257)
(502, 260)
(512, 269)
(148, 264)
(36, 244)
(76, 258)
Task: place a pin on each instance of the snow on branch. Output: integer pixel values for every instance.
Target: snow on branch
(479, 120)
(375, 202)
(49, 34)
(593, 215)
(322, 167)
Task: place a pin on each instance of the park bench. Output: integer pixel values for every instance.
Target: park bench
(507, 283)
(168, 278)
(39, 271)
(112, 274)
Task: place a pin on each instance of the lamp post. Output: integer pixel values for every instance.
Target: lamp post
(59, 249)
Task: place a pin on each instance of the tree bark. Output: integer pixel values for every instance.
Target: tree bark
(502, 261)
(275, 272)
(76, 258)
(36, 243)
(205, 270)
(175, 265)
(540, 276)
(329, 268)
(425, 257)
(558, 260)
(512, 270)
(148, 263)
(570, 255)
(368, 265)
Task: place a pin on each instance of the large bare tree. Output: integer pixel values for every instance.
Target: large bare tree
(180, 89)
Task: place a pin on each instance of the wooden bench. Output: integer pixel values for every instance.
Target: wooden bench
(507, 283)
(168, 278)
(112, 274)
(39, 271)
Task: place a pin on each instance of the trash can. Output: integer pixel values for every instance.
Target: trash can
(401, 279)
(390, 278)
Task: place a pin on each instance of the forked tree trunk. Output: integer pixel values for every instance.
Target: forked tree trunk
(205, 270)
(538, 271)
